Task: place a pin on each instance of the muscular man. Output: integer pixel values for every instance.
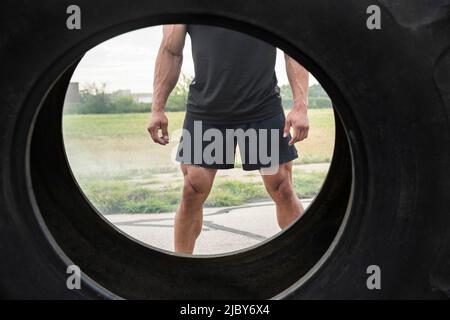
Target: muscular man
(235, 87)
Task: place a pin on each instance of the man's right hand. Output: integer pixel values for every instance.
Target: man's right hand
(159, 121)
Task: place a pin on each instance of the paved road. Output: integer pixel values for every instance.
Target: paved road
(224, 229)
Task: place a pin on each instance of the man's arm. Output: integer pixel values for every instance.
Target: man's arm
(298, 117)
(167, 72)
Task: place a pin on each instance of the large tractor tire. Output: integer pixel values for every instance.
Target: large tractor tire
(385, 201)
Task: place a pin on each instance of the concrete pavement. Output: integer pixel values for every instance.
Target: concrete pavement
(224, 229)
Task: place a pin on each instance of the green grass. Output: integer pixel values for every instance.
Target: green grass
(131, 125)
(111, 196)
(118, 142)
(121, 170)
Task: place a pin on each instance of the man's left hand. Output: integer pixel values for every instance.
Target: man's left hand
(298, 120)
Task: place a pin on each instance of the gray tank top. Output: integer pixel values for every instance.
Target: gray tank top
(235, 77)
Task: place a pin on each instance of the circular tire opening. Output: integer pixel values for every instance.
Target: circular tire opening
(130, 270)
(137, 184)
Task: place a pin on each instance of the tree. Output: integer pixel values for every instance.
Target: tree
(317, 97)
(178, 98)
(94, 99)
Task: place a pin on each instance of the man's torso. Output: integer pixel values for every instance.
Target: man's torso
(235, 77)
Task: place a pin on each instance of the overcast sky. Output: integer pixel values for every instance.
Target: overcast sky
(127, 62)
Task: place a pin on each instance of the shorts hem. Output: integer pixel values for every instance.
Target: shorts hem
(256, 167)
(250, 167)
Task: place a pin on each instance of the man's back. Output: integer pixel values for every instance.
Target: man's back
(235, 77)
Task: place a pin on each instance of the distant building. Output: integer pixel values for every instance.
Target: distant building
(143, 97)
(137, 97)
(72, 98)
(73, 93)
(122, 93)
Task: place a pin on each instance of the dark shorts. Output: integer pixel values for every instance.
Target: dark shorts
(261, 144)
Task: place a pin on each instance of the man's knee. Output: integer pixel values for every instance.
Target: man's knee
(285, 189)
(197, 185)
(280, 184)
(192, 191)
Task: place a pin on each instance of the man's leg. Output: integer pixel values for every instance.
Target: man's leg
(189, 218)
(280, 188)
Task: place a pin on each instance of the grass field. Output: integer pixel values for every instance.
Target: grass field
(121, 170)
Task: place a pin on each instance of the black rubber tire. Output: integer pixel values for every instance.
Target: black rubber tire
(383, 203)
